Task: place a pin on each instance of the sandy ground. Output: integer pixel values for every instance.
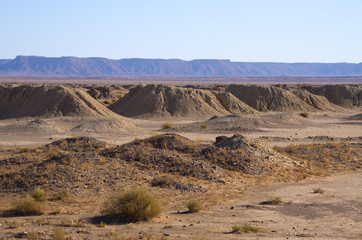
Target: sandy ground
(322, 124)
(335, 214)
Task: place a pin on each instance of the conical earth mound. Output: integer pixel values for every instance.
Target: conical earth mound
(49, 101)
(316, 101)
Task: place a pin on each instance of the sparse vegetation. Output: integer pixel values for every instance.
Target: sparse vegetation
(244, 229)
(28, 206)
(194, 206)
(62, 195)
(304, 114)
(132, 206)
(39, 194)
(318, 190)
(72, 223)
(204, 126)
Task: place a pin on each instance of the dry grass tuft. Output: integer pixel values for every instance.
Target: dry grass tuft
(167, 125)
(244, 229)
(12, 224)
(39, 195)
(272, 201)
(59, 233)
(28, 206)
(194, 206)
(318, 190)
(204, 126)
(304, 114)
(32, 235)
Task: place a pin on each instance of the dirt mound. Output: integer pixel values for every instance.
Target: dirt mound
(242, 143)
(268, 98)
(341, 95)
(232, 123)
(158, 101)
(316, 101)
(354, 117)
(106, 92)
(84, 163)
(233, 104)
(49, 101)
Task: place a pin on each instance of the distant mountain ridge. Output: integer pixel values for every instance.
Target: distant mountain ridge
(136, 67)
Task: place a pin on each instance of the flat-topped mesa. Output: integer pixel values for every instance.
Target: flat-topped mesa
(269, 98)
(159, 101)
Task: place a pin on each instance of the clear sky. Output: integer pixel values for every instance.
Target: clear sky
(239, 30)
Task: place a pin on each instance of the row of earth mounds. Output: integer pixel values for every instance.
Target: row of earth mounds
(78, 164)
(160, 101)
(164, 101)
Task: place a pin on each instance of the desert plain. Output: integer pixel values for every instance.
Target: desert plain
(260, 161)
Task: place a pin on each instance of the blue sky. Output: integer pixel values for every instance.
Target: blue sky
(239, 30)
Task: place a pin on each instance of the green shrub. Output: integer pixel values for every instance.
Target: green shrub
(39, 195)
(304, 114)
(167, 125)
(28, 206)
(132, 206)
(194, 206)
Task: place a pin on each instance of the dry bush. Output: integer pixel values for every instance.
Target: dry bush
(28, 206)
(32, 235)
(167, 125)
(318, 190)
(194, 206)
(204, 126)
(272, 201)
(59, 234)
(62, 195)
(132, 206)
(304, 114)
(12, 224)
(244, 229)
(39, 194)
(162, 181)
